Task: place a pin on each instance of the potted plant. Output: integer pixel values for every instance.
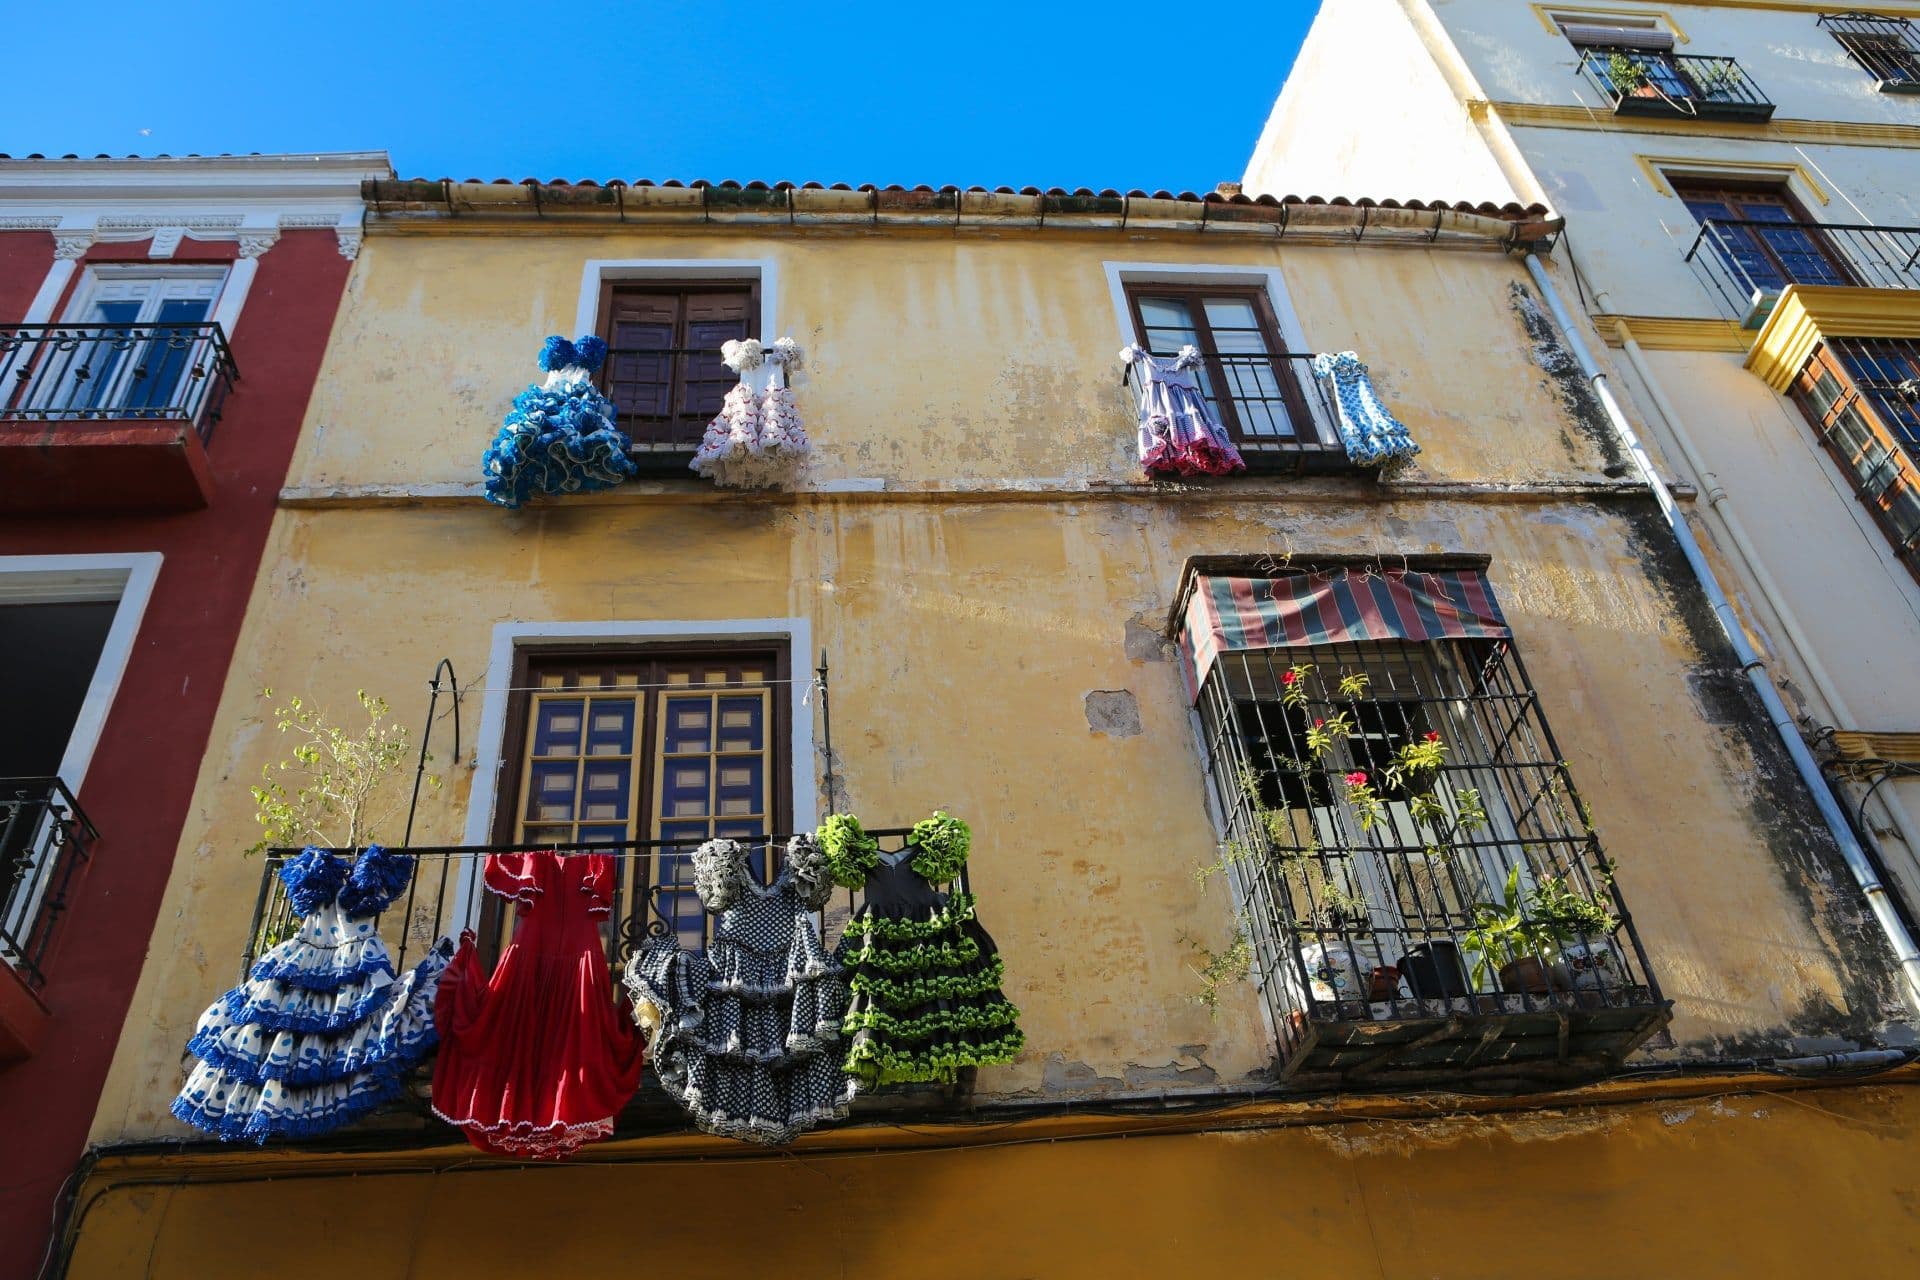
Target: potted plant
(1341, 958)
(1582, 925)
(1629, 78)
(1507, 940)
(1718, 81)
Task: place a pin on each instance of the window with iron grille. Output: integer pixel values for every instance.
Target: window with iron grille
(624, 745)
(1888, 49)
(1252, 382)
(1862, 396)
(1386, 778)
(663, 371)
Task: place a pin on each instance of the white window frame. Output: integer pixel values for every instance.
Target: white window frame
(103, 273)
(126, 578)
(1269, 279)
(596, 272)
(510, 637)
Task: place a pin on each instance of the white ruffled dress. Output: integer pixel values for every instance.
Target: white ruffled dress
(322, 1031)
(756, 439)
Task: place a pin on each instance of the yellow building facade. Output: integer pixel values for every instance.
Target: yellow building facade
(997, 589)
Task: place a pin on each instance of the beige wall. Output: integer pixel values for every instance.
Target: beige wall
(965, 629)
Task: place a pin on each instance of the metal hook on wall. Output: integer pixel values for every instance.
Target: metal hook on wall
(426, 736)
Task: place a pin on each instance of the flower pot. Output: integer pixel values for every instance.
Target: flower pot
(1525, 976)
(1384, 983)
(1587, 966)
(1434, 970)
(1339, 971)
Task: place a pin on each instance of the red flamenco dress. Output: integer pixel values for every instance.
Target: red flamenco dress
(537, 1061)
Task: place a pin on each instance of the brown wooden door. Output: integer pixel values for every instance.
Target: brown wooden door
(664, 373)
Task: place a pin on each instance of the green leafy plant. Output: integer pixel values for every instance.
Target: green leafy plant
(335, 790)
(1293, 684)
(1367, 806)
(1503, 932)
(1322, 734)
(1217, 969)
(1625, 73)
(1338, 909)
(1416, 763)
(1571, 915)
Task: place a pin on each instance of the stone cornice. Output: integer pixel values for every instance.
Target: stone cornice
(1846, 133)
(1808, 314)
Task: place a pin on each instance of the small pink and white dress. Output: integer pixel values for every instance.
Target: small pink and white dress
(1178, 429)
(756, 439)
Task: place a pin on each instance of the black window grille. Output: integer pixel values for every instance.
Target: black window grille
(1384, 804)
(1888, 49)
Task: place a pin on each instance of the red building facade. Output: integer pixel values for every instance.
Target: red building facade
(161, 325)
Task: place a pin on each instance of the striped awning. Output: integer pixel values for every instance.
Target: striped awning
(1308, 608)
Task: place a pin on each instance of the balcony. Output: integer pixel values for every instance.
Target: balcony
(45, 839)
(1747, 263)
(1277, 413)
(110, 416)
(654, 897)
(1643, 82)
(1421, 894)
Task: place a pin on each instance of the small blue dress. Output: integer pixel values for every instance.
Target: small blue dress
(321, 1032)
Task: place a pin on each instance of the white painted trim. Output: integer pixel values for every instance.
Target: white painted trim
(40, 310)
(1120, 274)
(483, 792)
(597, 271)
(130, 579)
(233, 294)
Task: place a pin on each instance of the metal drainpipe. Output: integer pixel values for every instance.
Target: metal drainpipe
(1722, 504)
(1750, 661)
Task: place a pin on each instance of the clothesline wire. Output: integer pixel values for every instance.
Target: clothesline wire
(743, 687)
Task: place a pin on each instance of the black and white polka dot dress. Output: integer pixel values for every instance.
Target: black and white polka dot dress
(747, 1035)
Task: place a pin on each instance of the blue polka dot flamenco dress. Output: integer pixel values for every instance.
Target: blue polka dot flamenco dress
(322, 1031)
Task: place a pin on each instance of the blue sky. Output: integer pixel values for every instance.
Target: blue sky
(1045, 93)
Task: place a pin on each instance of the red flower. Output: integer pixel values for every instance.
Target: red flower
(1433, 736)
(1318, 724)
(1358, 778)
(1290, 677)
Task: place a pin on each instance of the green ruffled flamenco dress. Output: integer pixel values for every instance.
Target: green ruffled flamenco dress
(925, 976)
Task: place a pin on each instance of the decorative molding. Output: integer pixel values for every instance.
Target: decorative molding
(29, 223)
(69, 245)
(157, 221)
(349, 242)
(308, 221)
(1842, 133)
(165, 241)
(255, 243)
(1659, 168)
(1673, 333)
(1545, 13)
(1806, 315)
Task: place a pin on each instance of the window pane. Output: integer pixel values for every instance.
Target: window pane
(1169, 325)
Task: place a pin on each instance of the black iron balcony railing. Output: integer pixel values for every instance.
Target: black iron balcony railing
(654, 897)
(1279, 416)
(1748, 262)
(116, 373)
(1656, 83)
(1887, 48)
(45, 838)
(1450, 920)
(664, 398)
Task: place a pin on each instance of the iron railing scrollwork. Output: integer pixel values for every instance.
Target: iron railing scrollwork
(45, 838)
(115, 373)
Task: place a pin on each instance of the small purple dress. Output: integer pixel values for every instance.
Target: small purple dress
(1178, 431)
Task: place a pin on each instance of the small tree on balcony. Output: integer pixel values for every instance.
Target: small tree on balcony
(336, 791)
